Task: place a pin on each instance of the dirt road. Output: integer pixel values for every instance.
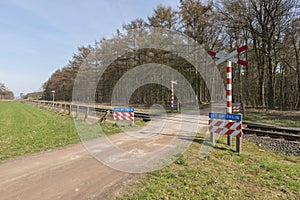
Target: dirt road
(71, 172)
(68, 173)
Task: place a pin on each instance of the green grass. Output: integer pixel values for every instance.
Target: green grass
(278, 118)
(25, 129)
(256, 173)
(110, 129)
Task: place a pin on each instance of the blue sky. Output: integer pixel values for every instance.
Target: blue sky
(37, 37)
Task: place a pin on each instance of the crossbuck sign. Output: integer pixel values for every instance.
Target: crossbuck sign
(230, 56)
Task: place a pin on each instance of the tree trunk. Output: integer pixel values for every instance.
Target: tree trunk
(270, 84)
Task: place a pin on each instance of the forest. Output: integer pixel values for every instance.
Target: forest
(271, 30)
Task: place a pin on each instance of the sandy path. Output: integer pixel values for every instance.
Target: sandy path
(71, 172)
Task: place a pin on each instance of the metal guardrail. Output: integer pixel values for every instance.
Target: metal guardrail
(68, 108)
(259, 129)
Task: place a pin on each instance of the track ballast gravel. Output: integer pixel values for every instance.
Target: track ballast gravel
(278, 145)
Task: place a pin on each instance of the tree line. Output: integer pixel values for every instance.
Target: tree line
(5, 93)
(271, 29)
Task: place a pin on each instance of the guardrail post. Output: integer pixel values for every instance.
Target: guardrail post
(70, 109)
(86, 113)
(103, 118)
(77, 110)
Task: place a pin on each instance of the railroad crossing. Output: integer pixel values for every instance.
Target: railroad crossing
(229, 58)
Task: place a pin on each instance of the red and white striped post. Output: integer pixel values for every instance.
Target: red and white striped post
(172, 94)
(229, 96)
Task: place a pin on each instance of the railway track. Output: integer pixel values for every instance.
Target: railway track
(258, 129)
(279, 139)
(290, 134)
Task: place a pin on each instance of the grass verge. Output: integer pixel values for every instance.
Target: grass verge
(25, 129)
(257, 173)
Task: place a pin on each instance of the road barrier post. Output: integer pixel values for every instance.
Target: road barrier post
(228, 124)
(121, 114)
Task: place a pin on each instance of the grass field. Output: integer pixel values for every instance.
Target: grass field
(279, 118)
(257, 173)
(25, 129)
